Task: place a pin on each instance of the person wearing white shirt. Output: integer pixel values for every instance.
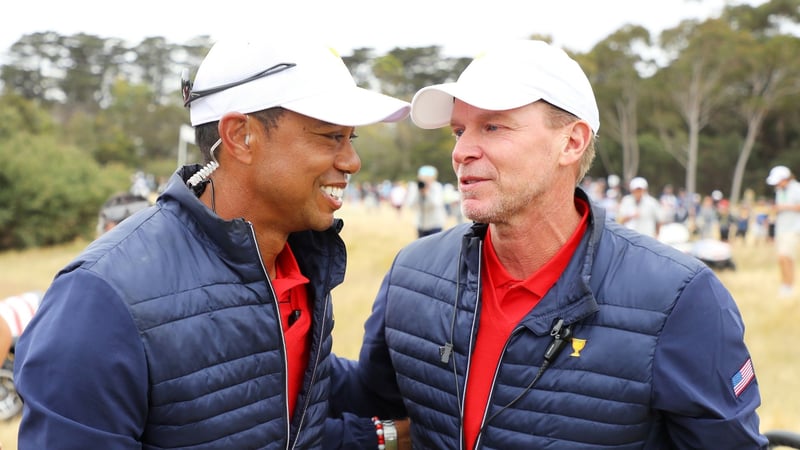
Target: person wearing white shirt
(639, 210)
(787, 223)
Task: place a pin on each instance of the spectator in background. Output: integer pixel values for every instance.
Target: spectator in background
(726, 219)
(613, 181)
(397, 196)
(639, 210)
(669, 204)
(612, 197)
(743, 222)
(427, 200)
(762, 211)
(787, 224)
(117, 208)
(684, 210)
(595, 188)
(452, 202)
(707, 218)
(16, 313)
(610, 203)
(141, 185)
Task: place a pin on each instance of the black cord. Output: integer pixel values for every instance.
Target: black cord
(213, 197)
(561, 335)
(446, 351)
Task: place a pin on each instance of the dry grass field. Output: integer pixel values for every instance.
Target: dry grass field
(374, 236)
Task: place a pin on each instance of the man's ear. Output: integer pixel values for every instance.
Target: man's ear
(578, 137)
(234, 130)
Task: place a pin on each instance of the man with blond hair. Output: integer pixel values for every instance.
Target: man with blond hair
(541, 324)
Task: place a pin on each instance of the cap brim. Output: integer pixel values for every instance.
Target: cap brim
(352, 107)
(432, 107)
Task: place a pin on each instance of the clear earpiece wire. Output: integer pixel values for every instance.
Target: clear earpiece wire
(203, 174)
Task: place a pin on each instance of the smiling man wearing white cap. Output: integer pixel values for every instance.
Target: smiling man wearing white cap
(204, 322)
(787, 224)
(542, 324)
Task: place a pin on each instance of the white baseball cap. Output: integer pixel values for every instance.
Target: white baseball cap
(637, 183)
(778, 174)
(509, 76)
(427, 171)
(252, 74)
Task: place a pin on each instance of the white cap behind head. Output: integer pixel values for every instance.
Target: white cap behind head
(510, 76)
(427, 171)
(778, 174)
(637, 183)
(308, 79)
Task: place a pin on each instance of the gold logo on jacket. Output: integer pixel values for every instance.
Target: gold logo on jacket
(577, 346)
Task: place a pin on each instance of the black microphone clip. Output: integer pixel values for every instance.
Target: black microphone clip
(295, 314)
(561, 335)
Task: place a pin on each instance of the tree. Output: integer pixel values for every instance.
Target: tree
(401, 73)
(693, 79)
(765, 73)
(21, 115)
(153, 60)
(31, 72)
(721, 100)
(614, 73)
(49, 193)
(90, 63)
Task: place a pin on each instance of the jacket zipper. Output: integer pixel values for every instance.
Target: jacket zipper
(469, 359)
(328, 301)
(283, 337)
(491, 390)
(462, 441)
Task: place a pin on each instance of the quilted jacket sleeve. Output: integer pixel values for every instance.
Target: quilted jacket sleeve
(80, 369)
(705, 384)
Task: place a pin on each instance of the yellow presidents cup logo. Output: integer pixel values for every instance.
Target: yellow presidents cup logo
(577, 346)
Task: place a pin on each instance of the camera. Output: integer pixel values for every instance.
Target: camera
(420, 184)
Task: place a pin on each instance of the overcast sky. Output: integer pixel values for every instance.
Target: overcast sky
(460, 27)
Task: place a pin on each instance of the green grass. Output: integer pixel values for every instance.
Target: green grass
(374, 236)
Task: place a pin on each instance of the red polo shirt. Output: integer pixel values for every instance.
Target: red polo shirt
(504, 302)
(290, 288)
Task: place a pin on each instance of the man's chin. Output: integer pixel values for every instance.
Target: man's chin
(472, 212)
(323, 223)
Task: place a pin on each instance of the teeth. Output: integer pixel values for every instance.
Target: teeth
(334, 192)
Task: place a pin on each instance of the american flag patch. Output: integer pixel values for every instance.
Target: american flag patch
(743, 377)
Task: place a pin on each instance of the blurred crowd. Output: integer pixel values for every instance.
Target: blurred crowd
(403, 195)
(704, 216)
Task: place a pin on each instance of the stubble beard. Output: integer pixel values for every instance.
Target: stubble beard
(500, 210)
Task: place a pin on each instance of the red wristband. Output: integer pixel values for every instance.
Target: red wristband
(379, 431)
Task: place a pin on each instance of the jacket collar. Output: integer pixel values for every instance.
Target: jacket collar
(318, 253)
(571, 298)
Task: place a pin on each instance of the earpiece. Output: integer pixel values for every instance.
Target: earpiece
(202, 175)
(247, 136)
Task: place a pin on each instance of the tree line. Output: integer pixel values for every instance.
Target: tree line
(705, 105)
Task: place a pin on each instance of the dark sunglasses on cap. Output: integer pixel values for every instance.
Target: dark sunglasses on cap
(189, 95)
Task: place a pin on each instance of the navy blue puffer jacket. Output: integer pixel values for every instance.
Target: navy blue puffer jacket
(165, 334)
(656, 349)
